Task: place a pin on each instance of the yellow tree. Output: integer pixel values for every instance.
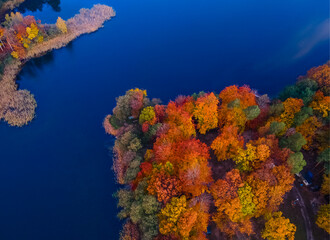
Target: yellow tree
(147, 115)
(32, 31)
(291, 107)
(61, 25)
(325, 188)
(321, 103)
(170, 215)
(245, 158)
(323, 217)
(278, 227)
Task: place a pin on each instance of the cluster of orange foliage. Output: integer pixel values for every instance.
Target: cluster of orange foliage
(181, 147)
(19, 34)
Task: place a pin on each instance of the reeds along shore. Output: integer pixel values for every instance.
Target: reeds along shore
(9, 5)
(17, 107)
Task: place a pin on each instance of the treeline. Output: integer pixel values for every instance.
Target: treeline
(167, 157)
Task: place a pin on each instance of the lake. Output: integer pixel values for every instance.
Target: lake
(56, 180)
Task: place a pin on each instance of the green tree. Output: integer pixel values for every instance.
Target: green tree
(294, 142)
(276, 128)
(301, 116)
(297, 162)
(276, 109)
(304, 89)
(324, 158)
(252, 112)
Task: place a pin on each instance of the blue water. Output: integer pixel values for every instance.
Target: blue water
(55, 174)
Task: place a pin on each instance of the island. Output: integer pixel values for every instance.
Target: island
(24, 38)
(224, 165)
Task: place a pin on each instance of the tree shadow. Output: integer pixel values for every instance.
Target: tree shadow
(35, 5)
(31, 68)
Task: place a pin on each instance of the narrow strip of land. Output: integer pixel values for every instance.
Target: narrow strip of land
(17, 107)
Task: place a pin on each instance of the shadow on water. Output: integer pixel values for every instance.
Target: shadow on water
(35, 5)
(31, 67)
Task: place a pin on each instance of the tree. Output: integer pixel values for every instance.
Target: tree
(276, 128)
(32, 31)
(321, 104)
(232, 117)
(61, 25)
(252, 112)
(170, 215)
(325, 188)
(308, 129)
(324, 158)
(297, 162)
(320, 74)
(278, 227)
(245, 158)
(147, 115)
(291, 107)
(301, 116)
(164, 185)
(186, 222)
(206, 112)
(323, 217)
(304, 89)
(294, 142)
(195, 178)
(244, 94)
(227, 144)
(128, 107)
(260, 190)
(130, 231)
(225, 189)
(180, 121)
(246, 197)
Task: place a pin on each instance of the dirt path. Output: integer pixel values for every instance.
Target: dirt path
(304, 213)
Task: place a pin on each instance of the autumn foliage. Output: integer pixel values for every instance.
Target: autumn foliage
(229, 159)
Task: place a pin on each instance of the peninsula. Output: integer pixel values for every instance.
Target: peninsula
(24, 38)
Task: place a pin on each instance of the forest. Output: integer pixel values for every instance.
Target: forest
(220, 163)
(23, 38)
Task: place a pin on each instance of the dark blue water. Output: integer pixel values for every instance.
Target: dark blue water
(55, 174)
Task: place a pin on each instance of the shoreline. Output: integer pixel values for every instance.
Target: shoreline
(19, 109)
(10, 5)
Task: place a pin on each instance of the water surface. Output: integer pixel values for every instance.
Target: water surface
(55, 176)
